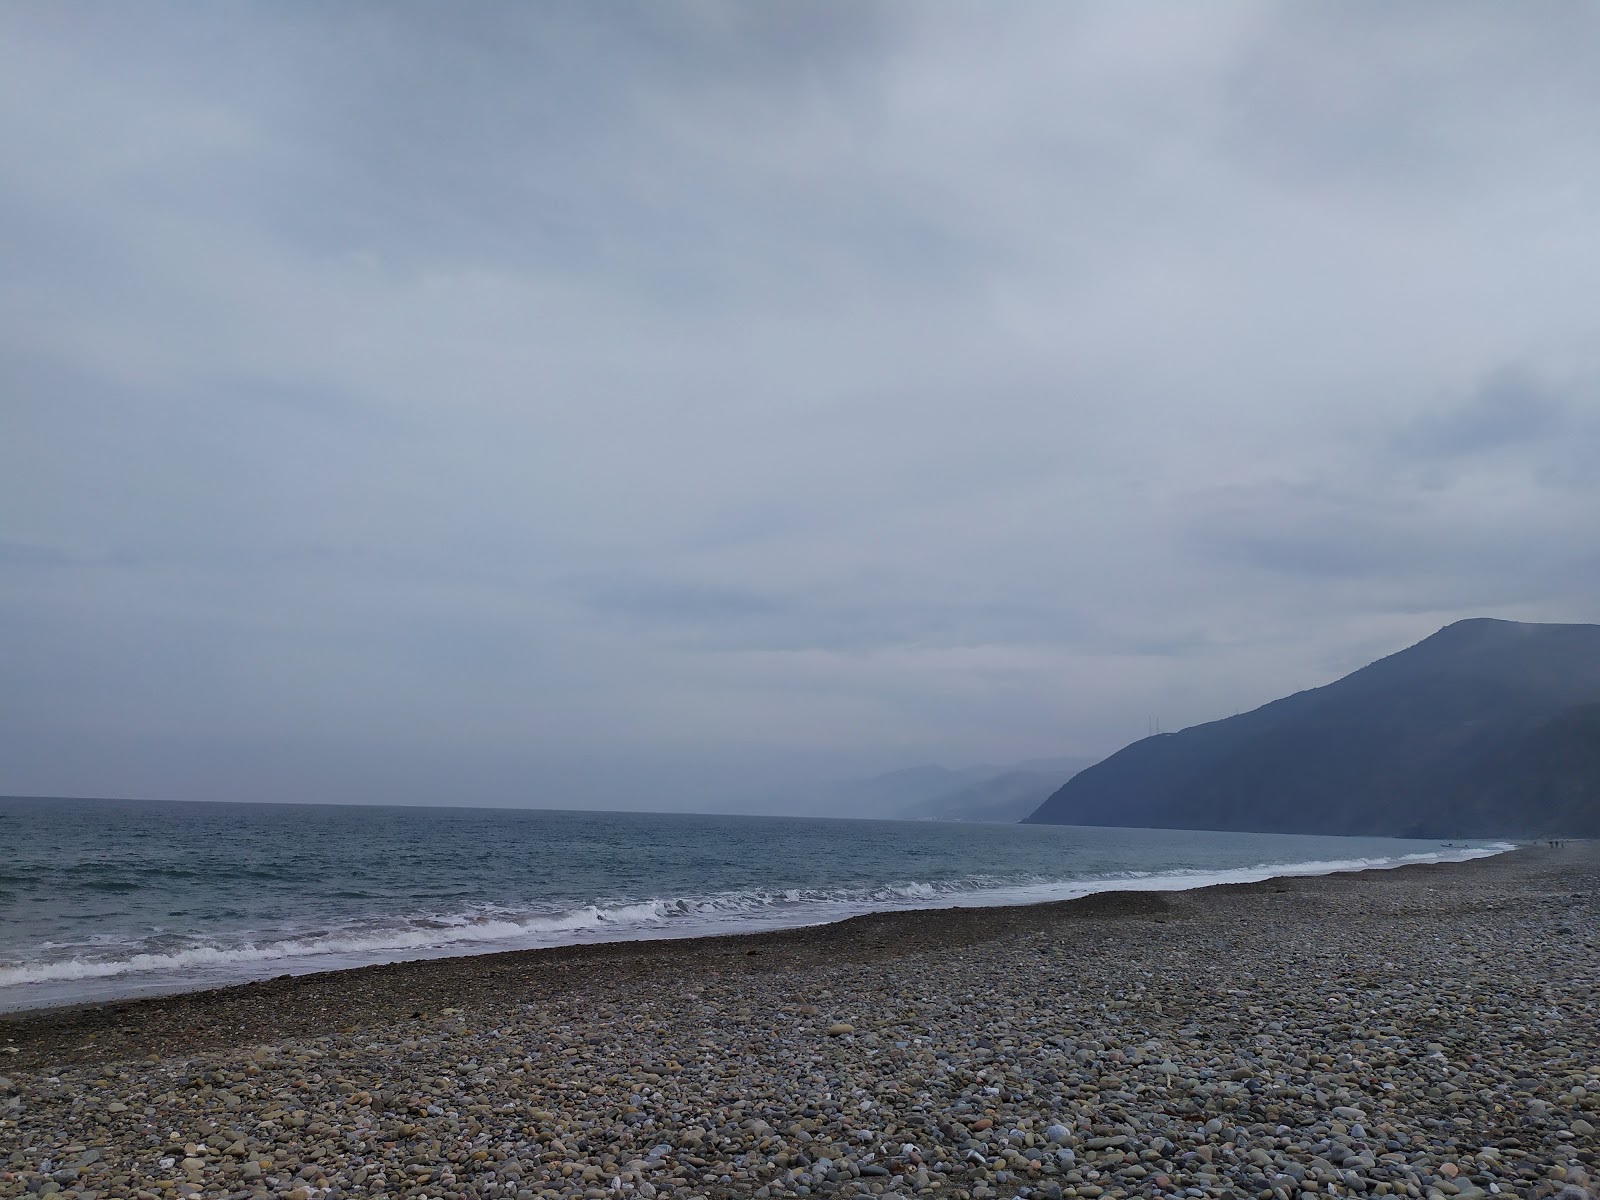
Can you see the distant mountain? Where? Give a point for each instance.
(883, 796)
(984, 792)
(1486, 729)
(1009, 796)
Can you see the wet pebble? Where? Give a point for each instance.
(1421, 1035)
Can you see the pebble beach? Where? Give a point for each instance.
(1429, 1031)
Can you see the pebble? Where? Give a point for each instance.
(1421, 1033)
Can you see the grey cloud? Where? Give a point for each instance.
(1382, 100)
(676, 603)
(1306, 529)
(1426, 542)
(593, 391)
(831, 620)
(1510, 407)
(19, 554)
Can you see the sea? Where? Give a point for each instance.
(103, 899)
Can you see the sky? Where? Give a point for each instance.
(649, 405)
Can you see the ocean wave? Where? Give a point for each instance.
(496, 927)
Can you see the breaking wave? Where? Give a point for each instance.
(200, 961)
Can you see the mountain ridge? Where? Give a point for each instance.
(930, 792)
(1481, 729)
(1006, 797)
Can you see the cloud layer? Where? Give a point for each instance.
(594, 404)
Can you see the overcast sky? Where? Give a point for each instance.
(631, 404)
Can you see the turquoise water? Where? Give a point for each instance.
(114, 898)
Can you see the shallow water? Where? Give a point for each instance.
(114, 898)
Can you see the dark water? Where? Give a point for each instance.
(103, 898)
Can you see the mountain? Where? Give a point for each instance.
(983, 792)
(1009, 796)
(1485, 729)
(882, 797)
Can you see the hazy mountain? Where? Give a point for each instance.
(983, 792)
(1487, 728)
(1009, 796)
(881, 796)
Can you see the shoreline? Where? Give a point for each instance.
(144, 984)
(461, 975)
(1431, 1031)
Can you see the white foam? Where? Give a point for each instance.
(452, 930)
(28, 983)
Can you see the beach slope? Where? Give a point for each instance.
(1431, 1031)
